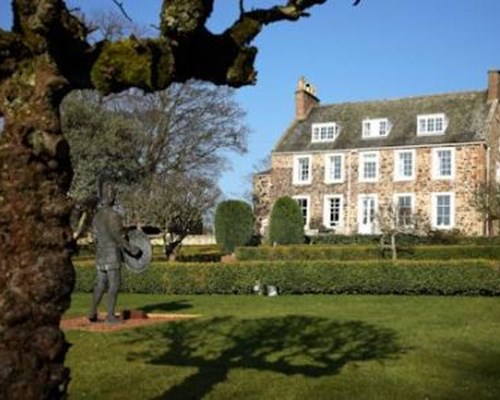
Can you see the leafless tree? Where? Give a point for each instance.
(178, 205)
(160, 147)
(184, 128)
(487, 202)
(393, 220)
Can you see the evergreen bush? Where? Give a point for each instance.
(287, 222)
(233, 224)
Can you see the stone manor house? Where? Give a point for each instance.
(423, 155)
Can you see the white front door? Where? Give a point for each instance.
(367, 209)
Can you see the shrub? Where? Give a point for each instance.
(233, 224)
(465, 277)
(202, 253)
(287, 222)
(356, 252)
(438, 236)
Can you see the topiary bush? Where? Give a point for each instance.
(287, 222)
(233, 224)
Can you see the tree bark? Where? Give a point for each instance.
(36, 274)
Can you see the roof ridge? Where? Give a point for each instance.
(394, 99)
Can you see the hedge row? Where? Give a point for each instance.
(196, 253)
(467, 277)
(433, 238)
(201, 253)
(357, 252)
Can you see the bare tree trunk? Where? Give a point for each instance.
(172, 245)
(394, 249)
(36, 273)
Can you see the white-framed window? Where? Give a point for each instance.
(324, 132)
(302, 169)
(443, 210)
(369, 165)
(304, 202)
(405, 209)
(332, 211)
(443, 163)
(334, 168)
(404, 165)
(375, 128)
(431, 124)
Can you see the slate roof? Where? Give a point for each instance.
(467, 114)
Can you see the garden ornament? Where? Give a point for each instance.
(110, 242)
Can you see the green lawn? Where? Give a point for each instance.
(294, 347)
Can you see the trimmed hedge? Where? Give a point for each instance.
(356, 252)
(336, 239)
(434, 238)
(466, 277)
(147, 282)
(202, 253)
(194, 253)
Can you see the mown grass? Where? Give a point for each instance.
(294, 347)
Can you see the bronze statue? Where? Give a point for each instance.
(110, 241)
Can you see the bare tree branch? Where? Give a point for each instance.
(250, 23)
(119, 4)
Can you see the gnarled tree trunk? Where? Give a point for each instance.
(36, 275)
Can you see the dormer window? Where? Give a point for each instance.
(324, 132)
(431, 124)
(375, 128)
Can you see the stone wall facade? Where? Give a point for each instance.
(469, 170)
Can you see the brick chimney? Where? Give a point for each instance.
(493, 85)
(305, 99)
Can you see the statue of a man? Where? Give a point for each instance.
(110, 239)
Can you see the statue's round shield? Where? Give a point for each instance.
(140, 263)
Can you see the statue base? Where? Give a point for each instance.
(133, 314)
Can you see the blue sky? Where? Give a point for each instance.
(379, 49)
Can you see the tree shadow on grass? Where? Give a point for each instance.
(309, 346)
(169, 306)
(477, 373)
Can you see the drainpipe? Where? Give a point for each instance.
(348, 202)
(488, 169)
